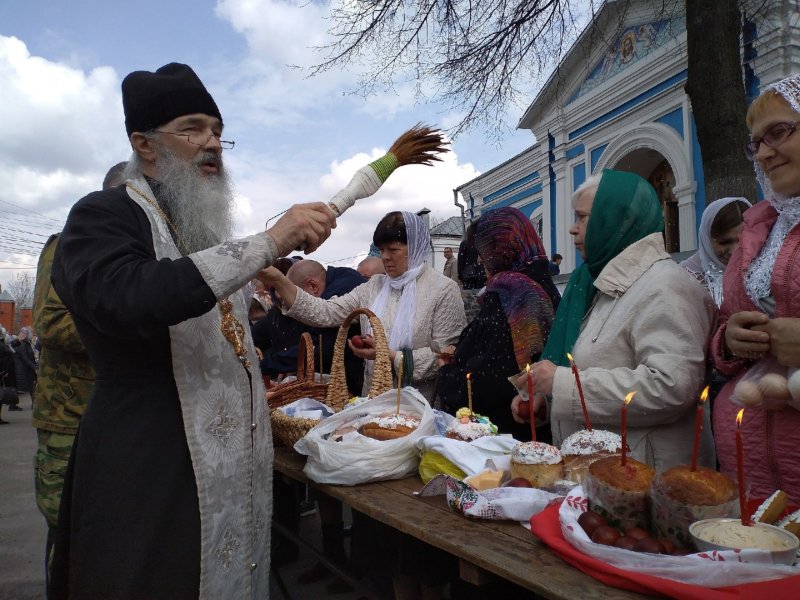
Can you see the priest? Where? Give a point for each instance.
(168, 492)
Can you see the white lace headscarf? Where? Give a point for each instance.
(759, 273)
(419, 242)
(712, 266)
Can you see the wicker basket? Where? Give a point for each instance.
(287, 430)
(304, 386)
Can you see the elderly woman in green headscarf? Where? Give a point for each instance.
(633, 320)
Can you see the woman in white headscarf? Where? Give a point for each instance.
(420, 308)
(718, 237)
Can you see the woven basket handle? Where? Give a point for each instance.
(338, 394)
(305, 358)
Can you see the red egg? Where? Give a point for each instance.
(606, 535)
(637, 533)
(519, 482)
(651, 545)
(358, 341)
(625, 542)
(589, 521)
(669, 546)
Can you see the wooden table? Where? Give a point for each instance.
(503, 548)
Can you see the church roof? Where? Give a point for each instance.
(6, 297)
(451, 227)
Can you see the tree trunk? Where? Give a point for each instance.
(716, 90)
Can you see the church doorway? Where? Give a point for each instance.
(653, 167)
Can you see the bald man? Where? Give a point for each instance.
(278, 336)
(372, 265)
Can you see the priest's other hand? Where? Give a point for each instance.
(303, 226)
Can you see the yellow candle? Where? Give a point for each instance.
(469, 392)
(399, 380)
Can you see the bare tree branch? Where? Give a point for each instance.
(478, 56)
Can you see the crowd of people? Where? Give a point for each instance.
(159, 333)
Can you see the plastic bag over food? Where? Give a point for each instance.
(769, 385)
(360, 459)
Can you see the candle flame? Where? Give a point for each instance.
(569, 356)
(469, 376)
(628, 398)
(739, 416)
(704, 395)
(528, 367)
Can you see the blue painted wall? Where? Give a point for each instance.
(594, 156)
(674, 120)
(511, 186)
(551, 157)
(697, 165)
(578, 177)
(575, 152)
(626, 106)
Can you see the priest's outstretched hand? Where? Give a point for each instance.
(303, 226)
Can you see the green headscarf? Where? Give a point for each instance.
(625, 210)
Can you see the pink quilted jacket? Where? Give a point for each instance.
(771, 438)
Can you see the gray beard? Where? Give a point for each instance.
(200, 206)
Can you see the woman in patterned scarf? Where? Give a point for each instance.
(510, 330)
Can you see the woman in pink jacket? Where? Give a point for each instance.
(760, 314)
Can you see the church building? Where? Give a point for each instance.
(617, 101)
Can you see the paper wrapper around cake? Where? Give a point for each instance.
(619, 493)
(679, 497)
(541, 476)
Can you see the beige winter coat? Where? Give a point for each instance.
(647, 331)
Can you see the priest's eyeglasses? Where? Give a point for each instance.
(201, 139)
(773, 137)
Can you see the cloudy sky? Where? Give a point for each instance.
(297, 139)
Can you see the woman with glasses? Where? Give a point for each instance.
(760, 314)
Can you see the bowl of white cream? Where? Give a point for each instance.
(730, 534)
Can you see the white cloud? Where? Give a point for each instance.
(60, 130)
(55, 116)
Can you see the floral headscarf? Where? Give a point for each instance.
(514, 255)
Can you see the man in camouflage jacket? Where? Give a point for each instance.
(66, 381)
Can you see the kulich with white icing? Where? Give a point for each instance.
(586, 442)
(393, 421)
(470, 426)
(535, 453)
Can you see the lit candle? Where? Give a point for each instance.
(580, 392)
(740, 470)
(469, 392)
(399, 381)
(698, 427)
(624, 425)
(530, 402)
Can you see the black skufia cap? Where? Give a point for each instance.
(152, 99)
